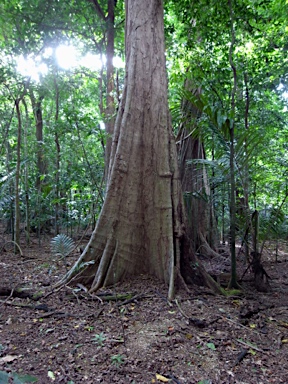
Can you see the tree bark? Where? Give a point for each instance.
(194, 179)
(141, 225)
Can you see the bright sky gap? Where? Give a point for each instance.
(67, 57)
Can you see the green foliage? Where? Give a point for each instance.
(16, 378)
(117, 360)
(211, 346)
(74, 103)
(205, 381)
(62, 245)
(99, 339)
(200, 56)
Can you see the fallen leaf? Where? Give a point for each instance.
(188, 336)
(283, 324)
(162, 378)
(49, 330)
(211, 346)
(51, 375)
(8, 359)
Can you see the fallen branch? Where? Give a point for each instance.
(247, 344)
(139, 296)
(19, 292)
(196, 322)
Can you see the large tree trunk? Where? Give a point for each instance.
(141, 225)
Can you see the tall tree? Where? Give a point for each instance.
(109, 21)
(141, 228)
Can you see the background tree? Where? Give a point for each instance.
(203, 44)
(194, 178)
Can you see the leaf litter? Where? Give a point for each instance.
(131, 334)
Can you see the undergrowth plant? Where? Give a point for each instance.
(15, 378)
(62, 245)
(117, 360)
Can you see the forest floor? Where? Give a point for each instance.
(68, 336)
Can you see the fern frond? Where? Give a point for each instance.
(62, 245)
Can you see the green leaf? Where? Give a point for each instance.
(4, 377)
(21, 379)
(51, 375)
(211, 346)
(17, 379)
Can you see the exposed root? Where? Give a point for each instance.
(208, 250)
(104, 271)
(16, 245)
(183, 283)
(211, 283)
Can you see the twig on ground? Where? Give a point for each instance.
(138, 296)
(9, 297)
(196, 322)
(181, 311)
(250, 346)
(164, 298)
(241, 325)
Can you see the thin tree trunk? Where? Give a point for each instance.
(109, 19)
(17, 176)
(41, 163)
(233, 282)
(58, 157)
(246, 172)
(26, 183)
(110, 104)
(10, 224)
(5, 143)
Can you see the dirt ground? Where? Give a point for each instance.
(132, 334)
